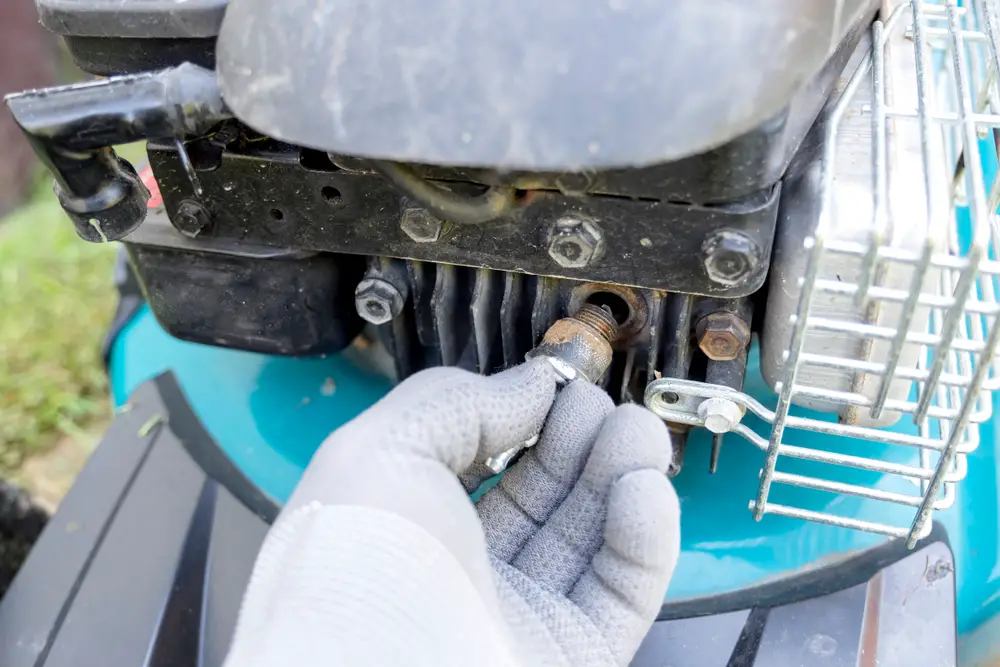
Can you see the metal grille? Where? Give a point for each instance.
(926, 89)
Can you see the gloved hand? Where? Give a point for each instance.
(379, 558)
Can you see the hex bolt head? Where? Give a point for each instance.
(720, 415)
(420, 225)
(377, 300)
(730, 257)
(722, 336)
(191, 218)
(574, 242)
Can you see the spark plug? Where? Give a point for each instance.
(579, 346)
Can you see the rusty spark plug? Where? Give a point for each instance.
(579, 346)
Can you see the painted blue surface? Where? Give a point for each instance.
(270, 413)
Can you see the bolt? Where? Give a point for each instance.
(730, 257)
(420, 225)
(378, 300)
(191, 219)
(722, 336)
(574, 242)
(719, 415)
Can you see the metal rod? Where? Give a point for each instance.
(872, 331)
(977, 209)
(813, 245)
(876, 368)
(919, 275)
(188, 167)
(859, 462)
(939, 301)
(991, 84)
(879, 168)
(862, 401)
(903, 256)
(950, 450)
(834, 520)
(713, 461)
(849, 489)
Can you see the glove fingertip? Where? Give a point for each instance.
(643, 520)
(646, 431)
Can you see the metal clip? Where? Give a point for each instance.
(497, 464)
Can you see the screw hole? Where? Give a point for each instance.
(277, 214)
(614, 304)
(670, 397)
(331, 194)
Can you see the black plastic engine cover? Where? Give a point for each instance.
(112, 37)
(560, 85)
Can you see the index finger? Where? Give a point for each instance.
(457, 417)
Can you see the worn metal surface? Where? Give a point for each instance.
(651, 244)
(485, 320)
(722, 336)
(582, 341)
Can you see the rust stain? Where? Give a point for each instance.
(868, 649)
(633, 298)
(566, 330)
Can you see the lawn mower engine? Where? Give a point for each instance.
(743, 194)
(460, 226)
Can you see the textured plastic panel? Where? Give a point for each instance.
(558, 85)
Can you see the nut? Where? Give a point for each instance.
(730, 257)
(378, 301)
(420, 225)
(191, 219)
(722, 336)
(574, 242)
(720, 415)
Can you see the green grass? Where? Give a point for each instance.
(56, 299)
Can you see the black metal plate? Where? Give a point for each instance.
(272, 200)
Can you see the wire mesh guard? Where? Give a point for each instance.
(919, 317)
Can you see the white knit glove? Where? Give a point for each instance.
(380, 558)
